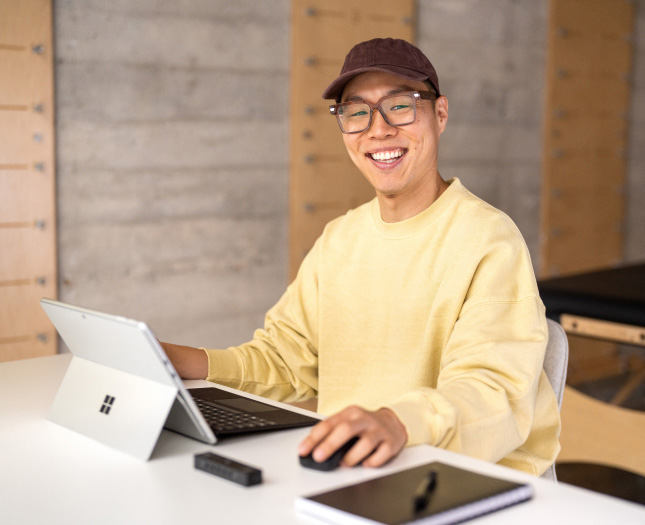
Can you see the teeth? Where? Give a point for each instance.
(387, 155)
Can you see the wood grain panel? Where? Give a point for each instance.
(16, 306)
(571, 207)
(20, 239)
(572, 171)
(585, 246)
(585, 134)
(29, 202)
(323, 181)
(27, 179)
(607, 19)
(28, 346)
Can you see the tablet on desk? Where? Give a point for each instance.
(121, 389)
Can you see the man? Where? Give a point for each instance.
(415, 318)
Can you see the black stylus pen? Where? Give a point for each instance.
(424, 491)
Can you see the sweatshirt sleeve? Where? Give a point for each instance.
(281, 361)
(484, 400)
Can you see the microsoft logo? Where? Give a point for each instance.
(107, 405)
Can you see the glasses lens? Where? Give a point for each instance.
(399, 110)
(353, 117)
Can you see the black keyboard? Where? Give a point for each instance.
(225, 420)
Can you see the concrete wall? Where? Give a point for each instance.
(172, 161)
(490, 57)
(172, 147)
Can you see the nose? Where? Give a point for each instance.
(379, 127)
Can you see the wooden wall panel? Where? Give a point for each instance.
(324, 183)
(585, 134)
(27, 179)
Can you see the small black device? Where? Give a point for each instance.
(228, 469)
(332, 461)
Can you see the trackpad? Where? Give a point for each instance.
(222, 397)
(247, 405)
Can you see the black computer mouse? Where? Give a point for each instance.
(332, 461)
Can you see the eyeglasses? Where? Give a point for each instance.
(397, 110)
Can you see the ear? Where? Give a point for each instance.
(441, 112)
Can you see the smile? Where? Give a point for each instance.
(387, 156)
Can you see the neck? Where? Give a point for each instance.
(399, 207)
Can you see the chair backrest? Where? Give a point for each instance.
(556, 358)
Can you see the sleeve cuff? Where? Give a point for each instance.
(225, 367)
(424, 425)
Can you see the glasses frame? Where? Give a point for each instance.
(417, 95)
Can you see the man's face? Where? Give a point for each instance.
(398, 161)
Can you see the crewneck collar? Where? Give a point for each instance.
(416, 224)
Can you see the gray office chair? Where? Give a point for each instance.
(555, 367)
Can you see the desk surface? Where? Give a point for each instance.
(614, 294)
(49, 474)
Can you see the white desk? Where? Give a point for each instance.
(48, 474)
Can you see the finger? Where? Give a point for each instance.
(381, 455)
(317, 433)
(366, 425)
(382, 439)
(332, 433)
(361, 450)
(373, 438)
(336, 438)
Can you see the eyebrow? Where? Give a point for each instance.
(358, 98)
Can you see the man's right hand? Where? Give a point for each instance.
(189, 362)
(382, 436)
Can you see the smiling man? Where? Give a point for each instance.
(398, 158)
(415, 318)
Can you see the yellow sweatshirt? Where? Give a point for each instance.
(437, 317)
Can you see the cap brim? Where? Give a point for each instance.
(335, 89)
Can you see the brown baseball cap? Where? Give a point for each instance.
(390, 55)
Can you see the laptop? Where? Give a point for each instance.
(121, 389)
